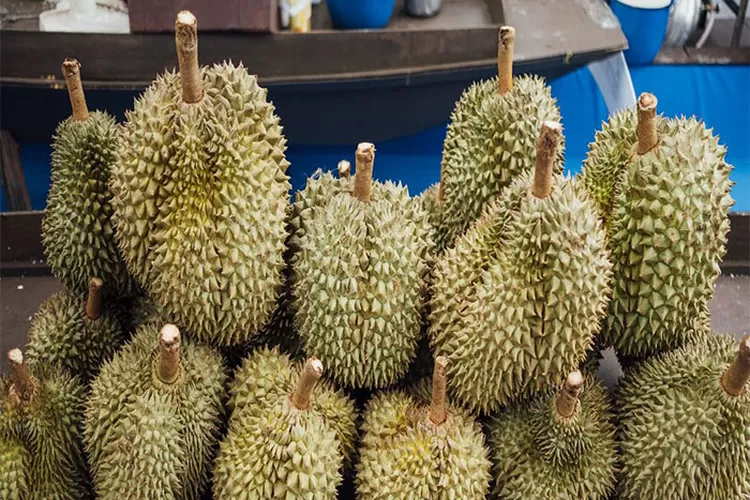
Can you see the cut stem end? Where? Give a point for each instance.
(95, 301)
(24, 384)
(567, 400)
(169, 354)
(736, 376)
(363, 177)
(311, 373)
(646, 128)
(506, 38)
(71, 70)
(345, 169)
(438, 411)
(186, 39)
(546, 153)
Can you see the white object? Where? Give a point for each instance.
(288, 10)
(646, 4)
(86, 16)
(613, 79)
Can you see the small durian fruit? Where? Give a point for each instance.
(284, 441)
(201, 196)
(662, 189)
(517, 302)
(41, 424)
(683, 423)
(77, 231)
(153, 417)
(491, 139)
(557, 445)
(412, 450)
(359, 278)
(75, 334)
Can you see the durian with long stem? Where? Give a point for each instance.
(153, 417)
(683, 422)
(77, 230)
(75, 334)
(201, 196)
(41, 425)
(560, 444)
(517, 302)
(421, 451)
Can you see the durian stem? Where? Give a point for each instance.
(506, 38)
(345, 169)
(567, 400)
(95, 301)
(646, 129)
(311, 373)
(71, 70)
(169, 354)
(363, 177)
(24, 384)
(440, 193)
(438, 412)
(186, 38)
(546, 152)
(735, 378)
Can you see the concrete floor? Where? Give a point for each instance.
(20, 298)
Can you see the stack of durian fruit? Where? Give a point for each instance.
(215, 340)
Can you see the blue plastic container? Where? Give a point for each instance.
(360, 14)
(644, 23)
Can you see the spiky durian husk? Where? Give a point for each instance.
(404, 455)
(77, 230)
(519, 298)
(120, 392)
(200, 197)
(359, 278)
(433, 207)
(666, 219)
(62, 335)
(538, 454)
(274, 449)
(144, 310)
(40, 441)
(681, 436)
(490, 140)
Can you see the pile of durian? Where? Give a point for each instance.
(216, 340)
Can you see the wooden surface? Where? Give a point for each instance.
(246, 15)
(11, 174)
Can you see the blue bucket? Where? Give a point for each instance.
(644, 23)
(360, 14)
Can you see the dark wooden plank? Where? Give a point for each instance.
(737, 258)
(705, 55)
(246, 15)
(11, 174)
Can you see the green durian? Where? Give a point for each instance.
(77, 231)
(144, 310)
(201, 195)
(517, 302)
(359, 276)
(76, 333)
(684, 420)
(558, 445)
(153, 417)
(284, 441)
(412, 450)
(491, 139)
(41, 424)
(662, 189)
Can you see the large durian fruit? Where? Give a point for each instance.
(557, 445)
(284, 440)
(491, 140)
(359, 277)
(153, 417)
(77, 230)
(517, 302)
(412, 450)
(201, 194)
(662, 189)
(684, 418)
(41, 425)
(75, 334)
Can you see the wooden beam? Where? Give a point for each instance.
(11, 174)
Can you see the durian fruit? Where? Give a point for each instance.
(683, 423)
(412, 450)
(557, 445)
(41, 424)
(662, 188)
(517, 302)
(359, 277)
(201, 194)
(75, 334)
(284, 440)
(153, 417)
(491, 139)
(77, 230)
